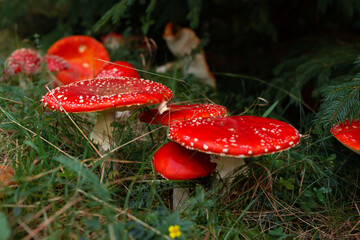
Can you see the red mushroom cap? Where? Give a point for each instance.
(55, 63)
(118, 69)
(348, 134)
(104, 93)
(178, 113)
(174, 162)
(23, 60)
(237, 136)
(82, 53)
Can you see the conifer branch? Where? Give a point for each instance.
(340, 102)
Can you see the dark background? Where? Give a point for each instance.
(265, 39)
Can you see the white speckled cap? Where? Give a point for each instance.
(236, 136)
(104, 93)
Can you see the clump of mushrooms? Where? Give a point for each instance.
(28, 61)
(172, 151)
(105, 96)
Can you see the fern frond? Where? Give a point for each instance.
(340, 102)
(114, 13)
(316, 70)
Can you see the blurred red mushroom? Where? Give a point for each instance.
(23, 60)
(113, 40)
(55, 63)
(82, 53)
(348, 134)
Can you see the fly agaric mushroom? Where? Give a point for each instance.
(118, 69)
(23, 60)
(348, 134)
(234, 138)
(105, 96)
(82, 53)
(55, 63)
(174, 162)
(177, 113)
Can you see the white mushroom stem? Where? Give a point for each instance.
(162, 107)
(226, 166)
(124, 114)
(24, 82)
(180, 195)
(102, 131)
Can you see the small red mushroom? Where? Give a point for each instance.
(234, 138)
(174, 162)
(105, 96)
(177, 113)
(55, 63)
(118, 69)
(348, 134)
(23, 60)
(82, 53)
